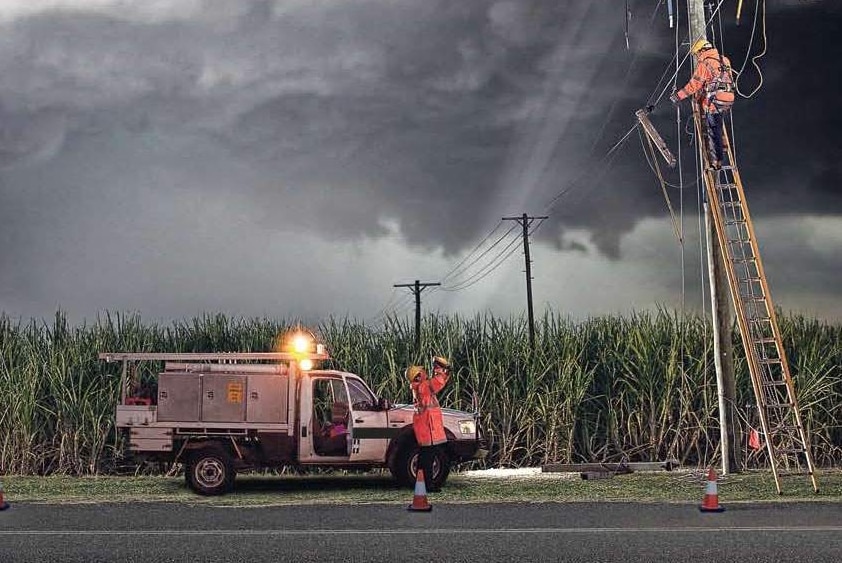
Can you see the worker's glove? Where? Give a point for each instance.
(674, 98)
(650, 109)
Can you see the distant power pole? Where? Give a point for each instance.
(525, 221)
(416, 289)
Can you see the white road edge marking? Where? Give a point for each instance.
(419, 531)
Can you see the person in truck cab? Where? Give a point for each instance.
(427, 422)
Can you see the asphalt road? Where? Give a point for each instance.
(455, 532)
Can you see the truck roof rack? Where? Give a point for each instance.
(208, 357)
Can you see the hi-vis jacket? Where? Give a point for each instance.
(713, 81)
(427, 421)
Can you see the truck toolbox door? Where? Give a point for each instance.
(370, 432)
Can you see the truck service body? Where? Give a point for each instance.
(220, 413)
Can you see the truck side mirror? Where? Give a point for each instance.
(383, 404)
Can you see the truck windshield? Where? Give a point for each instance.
(361, 397)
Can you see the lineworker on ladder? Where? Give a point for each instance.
(427, 421)
(713, 85)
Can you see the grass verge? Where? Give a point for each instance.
(261, 490)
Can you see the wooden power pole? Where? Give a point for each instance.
(723, 347)
(416, 289)
(525, 221)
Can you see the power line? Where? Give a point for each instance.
(489, 267)
(607, 158)
(453, 272)
(400, 306)
(683, 60)
(755, 58)
(386, 305)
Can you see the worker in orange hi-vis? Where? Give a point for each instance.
(427, 421)
(713, 86)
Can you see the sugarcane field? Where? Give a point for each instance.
(369, 280)
(613, 389)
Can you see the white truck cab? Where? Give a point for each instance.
(220, 413)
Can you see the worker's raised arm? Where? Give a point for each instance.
(439, 380)
(441, 373)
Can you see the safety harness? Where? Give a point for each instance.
(719, 90)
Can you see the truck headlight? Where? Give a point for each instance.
(467, 427)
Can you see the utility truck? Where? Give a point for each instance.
(220, 413)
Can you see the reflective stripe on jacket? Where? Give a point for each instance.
(713, 83)
(427, 421)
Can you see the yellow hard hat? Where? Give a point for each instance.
(700, 45)
(412, 371)
(441, 361)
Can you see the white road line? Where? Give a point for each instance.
(419, 531)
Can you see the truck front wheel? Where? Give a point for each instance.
(405, 466)
(210, 471)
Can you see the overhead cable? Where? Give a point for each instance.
(755, 58)
(486, 269)
(678, 66)
(490, 267)
(455, 272)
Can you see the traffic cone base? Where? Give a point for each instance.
(419, 499)
(710, 503)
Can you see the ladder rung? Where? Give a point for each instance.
(731, 203)
(777, 405)
(769, 361)
(773, 383)
(744, 260)
(722, 186)
(757, 298)
(737, 222)
(764, 341)
(795, 473)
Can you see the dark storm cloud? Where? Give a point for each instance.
(404, 111)
(350, 119)
(787, 134)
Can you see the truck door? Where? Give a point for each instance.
(370, 432)
(325, 429)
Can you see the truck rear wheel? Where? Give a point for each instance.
(210, 471)
(405, 466)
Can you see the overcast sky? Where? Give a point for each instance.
(298, 158)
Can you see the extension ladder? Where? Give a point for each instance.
(787, 443)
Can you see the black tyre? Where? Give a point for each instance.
(405, 466)
(210, 471)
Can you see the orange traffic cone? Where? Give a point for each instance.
(3, 504)
(419, 499)
(711, 501)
